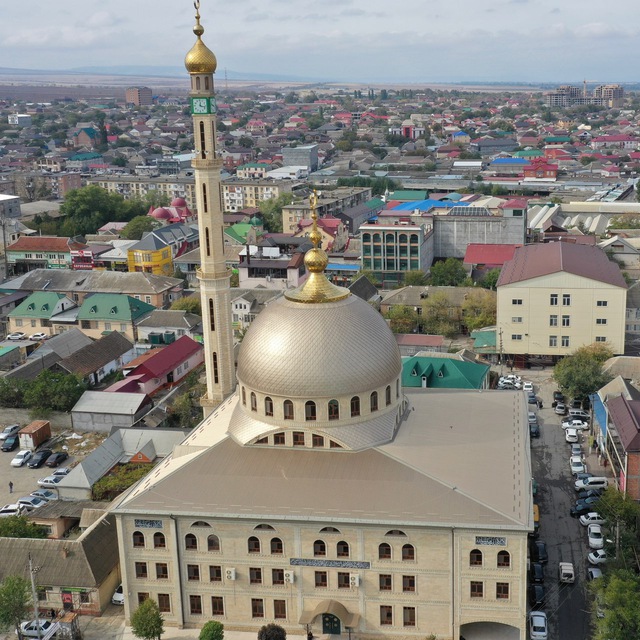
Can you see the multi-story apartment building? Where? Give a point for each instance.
(139, 96)
(303, 156)
(253, 170)
(155, 252)
(138, 186)
(239, 194)
(558, 296)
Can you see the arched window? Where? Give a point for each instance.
(190, 542)
(334, 410)
(373, 401)
(329, 530)
(214, 359)
(254, 402)
(206, 83)
(277, 546)
(244, 397)
(212, 315)
(384, 551)
(197, 82)
(395, 532)
(388, 395)
(342, 549)
(309, 410)
(263, 527)
(253, 545)
(200, 523)
(288, 410)
(203, 155)
(159, 541)
(475, 558)
(204, 194)
(355, 406)
(319, 548)
(504, 559)
(207, 241)
(268, 406)
(408, 552)
(138, 539)
(213, 543)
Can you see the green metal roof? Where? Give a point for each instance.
(238, 231)
(40, 304)
(374, 203)
(484, 341)
(113, 306)
(528, 153)
(443, 373)
(409, 195)
(255, 165)
(557, 139)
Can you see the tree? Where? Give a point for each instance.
(137, 227)
(402, 318)
(212, 630)
(448, 273)
(15, 601)
(580, 374)
(20, 527)
(415, 278)
(54, 391)
(619, 600)
(188, 303)
(272, 211)
(490, 279)
(147, 622)
(479, 309)
(438, 315)
(272, 632)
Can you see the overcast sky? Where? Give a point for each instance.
(355, 40)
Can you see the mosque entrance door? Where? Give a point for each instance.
(330, 624)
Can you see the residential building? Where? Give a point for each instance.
(253, 170)
(129, 187)
(302, 156)
(104, 411)
(238, 194)
(412, 343)
(164, 326)
(155, 252)
(19, 119)
(35, 314)
(246, 304)
(138, 96)
(41, 252)
(556, 297)
(444, 371)
(9, 207)
(271, 267)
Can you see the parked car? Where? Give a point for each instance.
(9, 431)
(533, 418)
(558, 396)
(536, 595)
(560, 409)
(571, 435)
(566, 574)
(576, 449)
(593, 573)
(62, 471)
(38, 337)
(527, 386)
(577, 465)
(32, 502)
(50, 481)
(30, 629)
(592, 482)
(11, 443)
(580, 414)
(575, 423)
(45, 494)
(595, 537)
(12, 510)
(599, 556)
(583, 476)
(539, 552)
(532, 399)
(538, 629)
(21, 458)
(39, 458)
(17, 335)
(536, 572)
(591, 518)
(118, 596)
(57, 458)
(534, 430)
(583, 506)
(589, 493)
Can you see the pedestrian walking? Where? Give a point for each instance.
(10, 486)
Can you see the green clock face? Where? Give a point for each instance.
(199, 105)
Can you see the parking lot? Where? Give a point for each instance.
(567, 605)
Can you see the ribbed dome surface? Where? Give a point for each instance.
(200, 59)
(318, 350)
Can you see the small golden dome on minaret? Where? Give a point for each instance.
(200, 58)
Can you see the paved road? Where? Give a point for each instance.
(567, 605)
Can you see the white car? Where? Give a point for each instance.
(21, 458)
(596, 540)
(599, 556)
(38, 337)
(577, 465)
(571, 435)
(45, 494)
(30, 629)
(533, 418)
(32, 502)
(538, 625)
(575, 424)
(118, 596)
(17, 335)
(593, 573)
(12, 510)
(50, 481)
(591, 518)
(527, 386)
(580, 414)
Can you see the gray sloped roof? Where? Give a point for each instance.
(32, 368)
(171, 318)
(64, 344)
(97, 354)
(110, 403)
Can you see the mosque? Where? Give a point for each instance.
(317, 493)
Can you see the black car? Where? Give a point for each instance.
(534, 430)
(10, 443)
(589, 493)
(558, 396)
(56, 459)
(532, 398)
(39, 458)
(536, 573)
(539, 552)
(536, 595)
(583, 506)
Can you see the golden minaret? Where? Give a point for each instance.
(213, 274)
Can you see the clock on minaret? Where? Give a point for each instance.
(200, 106)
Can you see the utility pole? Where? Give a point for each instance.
(32, 572)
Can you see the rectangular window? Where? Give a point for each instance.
(553, 321)
(321, 579)
(602, 303)
(317, 441)
(477, 589)
(195, 605)
(409, 616)
(107, 326)
(566, 321)
(19, 322)
(565, 341)
(280, 609)
(142, 596)
(298, 438)
(164, 603)
(408, 583)
(516, 336)
(553, 299)
(215, 573)
(162, 571)
(516, 301)
(217, 606)
(141, 569)
(277, 576)
(553, 341)
(123, 327)
(502, 590)
(278, 439)
(343, 580)
(255, 575)
(257, 608)
(193, 572)
(386, 614)
(385, 582)
(601, 338)
(566, 299)
(516, 320)
(601, 321)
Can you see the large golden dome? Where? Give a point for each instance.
(200, 58)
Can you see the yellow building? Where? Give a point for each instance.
(554, 298)
(156, 261)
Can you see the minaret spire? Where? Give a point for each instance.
(213, 274)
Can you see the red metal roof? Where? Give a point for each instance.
(419, 340)
(40, 243)
(493, 254)
(162, 361)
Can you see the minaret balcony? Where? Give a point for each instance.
(207, 163)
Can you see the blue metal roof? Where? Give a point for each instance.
(426, 205)
(336, 266)
(510, 161)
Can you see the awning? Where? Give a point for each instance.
(333, 607)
